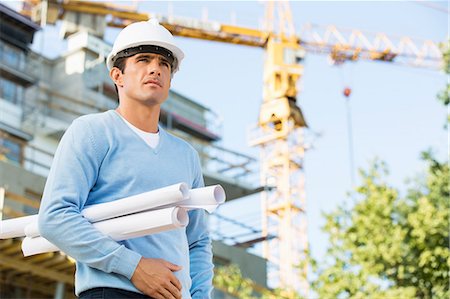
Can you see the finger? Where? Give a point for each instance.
(172, 267)
(174, 280)
(156, 295)
(173, 290)
(166, 294)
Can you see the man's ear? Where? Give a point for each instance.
(117, 76)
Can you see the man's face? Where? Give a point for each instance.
(146, 79)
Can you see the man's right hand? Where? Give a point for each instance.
(154, 278)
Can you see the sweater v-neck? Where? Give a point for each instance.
(160, 130)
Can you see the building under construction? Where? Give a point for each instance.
(39, 98)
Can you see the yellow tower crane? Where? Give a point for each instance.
(281, 125)
(279, 134)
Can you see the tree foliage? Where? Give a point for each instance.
(444, 95)
(385, 246)
(229, 279)
(389, 246)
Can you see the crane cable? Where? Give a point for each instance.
(347, 82)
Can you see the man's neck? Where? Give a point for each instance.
(142, 117)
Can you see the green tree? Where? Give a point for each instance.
(388, 246)
(229, 279)
(444, 95)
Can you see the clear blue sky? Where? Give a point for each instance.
(395, 111)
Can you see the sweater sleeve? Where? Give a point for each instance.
(200, 249)
(72, 175)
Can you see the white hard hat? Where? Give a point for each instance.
(146, 33)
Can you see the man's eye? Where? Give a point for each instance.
(142, 59)
(165, 63)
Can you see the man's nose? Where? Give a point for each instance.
(154, 68)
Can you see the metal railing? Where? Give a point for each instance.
(222, 161)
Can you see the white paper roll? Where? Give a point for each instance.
(32, 246)
(144, 223)
(32, 230)
(13, 228)
(122, 228)
(137, 203)
(207, 198)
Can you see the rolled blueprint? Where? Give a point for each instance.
(32, 246)
(137, 203)
(13, 228)
(160, 198)
(32, 230)
(207, 198)
(144, 223)
(121, 228)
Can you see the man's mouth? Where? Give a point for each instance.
(152, 81)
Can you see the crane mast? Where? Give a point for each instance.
(279, 135)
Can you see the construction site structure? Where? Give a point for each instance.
(281, 128)
(279, 135)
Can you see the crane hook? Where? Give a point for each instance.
(347, 92)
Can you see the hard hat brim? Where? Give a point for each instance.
(177, 52)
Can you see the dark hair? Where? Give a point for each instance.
(120, 64)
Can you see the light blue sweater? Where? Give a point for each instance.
(100, 159)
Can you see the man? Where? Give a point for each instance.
(119, 153)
